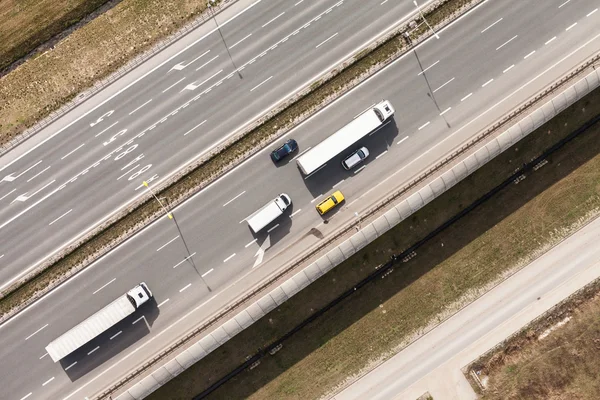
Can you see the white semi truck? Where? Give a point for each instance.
(99, 322)
(269, 212)
(362, 125)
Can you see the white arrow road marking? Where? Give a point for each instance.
(261, 251)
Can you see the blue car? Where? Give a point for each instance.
(286, 149)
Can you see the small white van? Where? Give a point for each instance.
(269, 212)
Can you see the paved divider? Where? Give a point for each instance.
(397, 213)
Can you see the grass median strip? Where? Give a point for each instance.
(494, 240)
(110, 234)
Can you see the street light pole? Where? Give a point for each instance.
(212, 13)
(426, 23)
(172, 216)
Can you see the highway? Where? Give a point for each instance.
(166, 113)
(433, 362)
(477, 70)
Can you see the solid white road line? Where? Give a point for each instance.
(115, 335)
(2, 198)
(34, 165)
(169, 242)
(491, 25)
(508, 69)
(234, 198)
(295, 212)
(467, 96)
(185, 287)
(239, 41)
(382, 154)
(326, 40)
(48, 381)
(403, 139)
(424, 125)
(114, 279)
(262, 83)
(162, 303)
(63, 157)
(207, 272)
(229, 258)
(170, 87)
(426, 69)
(71, 366)
(96, 348)
(193, 86)
(184, 260)
(206, 63)
(39, 173)
(60, 217)
(200, 124)
(273, 228)
(444, 84)
(140, 106)
(36, 332)
(551, 40)
(128, 171)
(106, 129)
(273, 19)
(507, 42)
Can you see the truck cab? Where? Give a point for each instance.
(140, 294)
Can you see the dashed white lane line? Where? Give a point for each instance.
(405, 137)
(488, 82)
(207, 272)
(381, 155)
(115, 335)
(295, 212)
(273, 228)
(39, 173)
(48, 381)
(168, 243)
(60, 217)
(193, 86)
(492, 25)
(592, 12)
(234, 198)
(106, 129)
(508, 69)
(175, 84)
(551, 40)
(571, 27)
(45, 354)
(427, 69)
(36, 332)
(240, 41)
(564, 3)
(200, 124)
(70, 366)
(251, 243)
(229, 258)
(137, 320)
(298, 3)
(105, 285)
(26, 396)
(273, 19)
(339, 183)
(383, 2)
(360, 169)
(529, 55)
(184, 260)
(73, 151)
(507, 42)
(93, 350)
(326, 40)
(11, 178)
(262, 83)
(315, 199)
(185, 287)
(444, 84)
(140, 106)
(206, 63)
(130, 170)
(162, 303)
(2, 198)
(467, 96)
(424, 125)
(2, 256)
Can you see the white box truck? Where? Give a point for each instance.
(99, 322)
(362, 125)
(269, 213)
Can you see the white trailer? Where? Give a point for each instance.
(99, 322)
(269, 212)
(362, 125)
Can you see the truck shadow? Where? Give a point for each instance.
(275, 231)
(111, 343)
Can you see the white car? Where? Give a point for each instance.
(355, 158)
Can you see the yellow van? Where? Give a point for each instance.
(331, 202)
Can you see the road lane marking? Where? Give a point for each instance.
(115, 335)
(550, 41)
(181, 66)
(24, 197)
(26, 396)
(564, 3)
(60, 217)
(193, 86)
(45, 354)
(128, 171)
(298, 3)
(184, 260)
(295, 212)
(97, 347)
(63, 157)
(39, 173)
(234, 198)
(206, 63)
(169, 242)
(337, 184)
(593, 11)
(262, 83)
(137, 320)
(106, 129)
(426, 69)
(71, 366)
(400, 141)
(492, 25)
(48, 381)
(185, 287)
(508, 69)
(315, 199)
(200, 124)
(140, 106)
(488, 82)
(528, 55)
(114, 279)
(2, 198)
(36, 332)
(467, 96)
(307, 149)
(229, 258)
(381, 155)
(11, 178)
(507, 42)
(207, 272)
(570, 27)
(273, 19)
(162, 303)
(270, 229)
(361, 168)
(424, 125)
(444, 84)
(239, 41)
(2, 256)
(326, 40)
(250, 244)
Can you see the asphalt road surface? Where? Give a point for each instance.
(166, 113)
(483, 65)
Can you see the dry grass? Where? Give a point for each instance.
(474, 252)
(563, 365)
